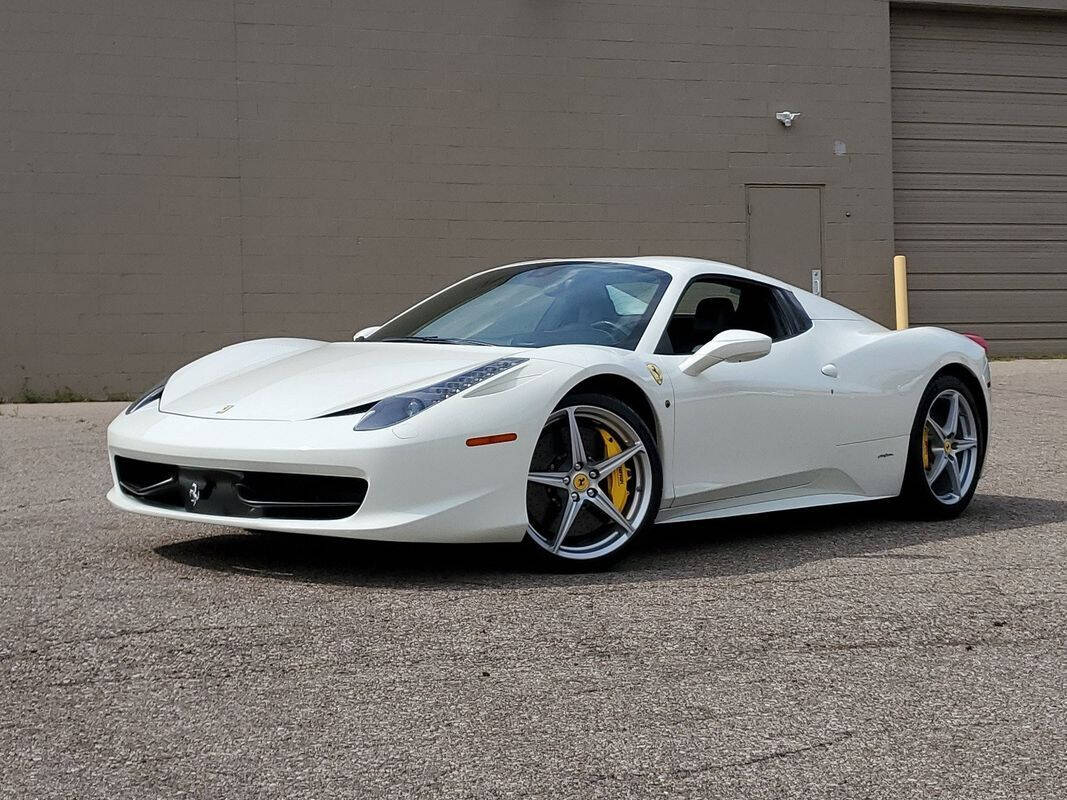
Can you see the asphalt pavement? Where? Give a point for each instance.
(840, 653)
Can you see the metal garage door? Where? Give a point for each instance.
(980, 173)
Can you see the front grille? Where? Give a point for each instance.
(240, 493)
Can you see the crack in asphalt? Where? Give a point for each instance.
(22, 506)
(688, 773)
(930, 643)
(1007, 390)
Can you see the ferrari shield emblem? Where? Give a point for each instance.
(653, 370)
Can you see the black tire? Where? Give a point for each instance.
(652, 484)
(917, 498)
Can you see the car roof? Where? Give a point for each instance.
(683, 267)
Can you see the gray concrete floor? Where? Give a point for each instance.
(839, 653)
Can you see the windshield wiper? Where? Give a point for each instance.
(437, 340)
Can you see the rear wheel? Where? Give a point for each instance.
(594, 482)
(946, 451)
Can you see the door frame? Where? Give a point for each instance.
(822, 224)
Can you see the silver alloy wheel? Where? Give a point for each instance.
(950, 447)
(580, 486)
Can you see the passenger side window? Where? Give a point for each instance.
(630, 299)
(710, 306)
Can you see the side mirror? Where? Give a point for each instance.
(732, 345)
(363, 333)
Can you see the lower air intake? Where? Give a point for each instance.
(240, 493)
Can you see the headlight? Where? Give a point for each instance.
(400, 407)
(151, 396)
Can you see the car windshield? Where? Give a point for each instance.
(538, 305)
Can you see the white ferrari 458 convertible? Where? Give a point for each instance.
(567, 403)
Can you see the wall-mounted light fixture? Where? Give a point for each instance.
(787, 117)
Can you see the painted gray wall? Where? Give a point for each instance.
(184, 175)
(179, 176)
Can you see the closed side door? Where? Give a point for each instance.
(744, 428)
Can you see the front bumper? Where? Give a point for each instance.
(424, 483)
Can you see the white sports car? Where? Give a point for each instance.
(568, 403)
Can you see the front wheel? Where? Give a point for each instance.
(594, 481)
(946, 451)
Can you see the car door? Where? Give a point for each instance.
(758, 427)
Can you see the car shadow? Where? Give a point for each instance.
(763, 543)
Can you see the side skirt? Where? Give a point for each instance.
(741, 506)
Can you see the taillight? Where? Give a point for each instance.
(974, 337)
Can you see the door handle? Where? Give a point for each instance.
(830, 370)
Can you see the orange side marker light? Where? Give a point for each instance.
(496, 438)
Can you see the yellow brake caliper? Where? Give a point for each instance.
(926, 448)
(620, 478)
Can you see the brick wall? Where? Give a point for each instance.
(181, 175)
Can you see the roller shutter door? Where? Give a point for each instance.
(980, 173)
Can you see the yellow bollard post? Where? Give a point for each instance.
(900, 287)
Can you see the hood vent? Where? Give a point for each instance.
(347, 412)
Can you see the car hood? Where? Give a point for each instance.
(300, 379)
